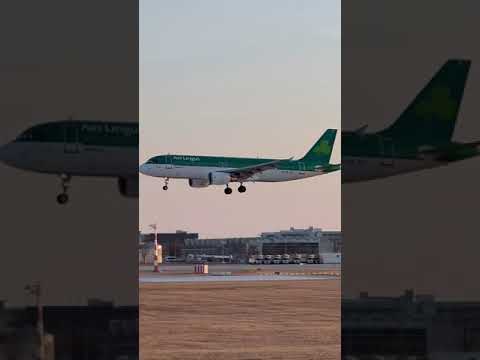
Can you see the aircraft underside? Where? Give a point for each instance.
(356, 169)
(197, 172)
(199, 177)
(66, 161)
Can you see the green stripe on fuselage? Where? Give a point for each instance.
(230, 162)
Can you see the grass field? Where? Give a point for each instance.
(240, 321)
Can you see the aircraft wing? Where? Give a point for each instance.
(248, 171)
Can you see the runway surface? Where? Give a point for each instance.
(217, 278)
(184, 273)
(182, 267)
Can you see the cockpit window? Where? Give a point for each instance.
(156, 160)
(51, 132)
(26, 135)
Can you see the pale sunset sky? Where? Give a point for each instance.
(246, 78)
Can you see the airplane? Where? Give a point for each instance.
(419, 139)
(78, 148)
(203, 171)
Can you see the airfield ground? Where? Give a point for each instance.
(240, 320)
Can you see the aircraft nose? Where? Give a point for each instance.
(143, 169)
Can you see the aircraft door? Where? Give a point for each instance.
(301, 166)
(71, 138)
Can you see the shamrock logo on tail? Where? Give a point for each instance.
(323, 148)
(440, 104)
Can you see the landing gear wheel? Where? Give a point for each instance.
(165, 187)
(62, 198)
(242, 189)
(228, 190)
(65, 183)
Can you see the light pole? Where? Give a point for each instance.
(36, 290)
(155, 259)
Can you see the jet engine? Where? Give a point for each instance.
(198, 183)
(219, 178)
(128, 186)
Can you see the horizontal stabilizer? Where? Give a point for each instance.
(361, 130)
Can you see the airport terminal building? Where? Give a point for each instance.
(300, 241)
(310, 241)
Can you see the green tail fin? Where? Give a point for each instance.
(322, 150)
(430, 118)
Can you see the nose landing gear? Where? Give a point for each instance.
(165, 187)
(62, 198)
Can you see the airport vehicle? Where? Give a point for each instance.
(203, 171)
(196, 259)
(268, 259)
(259, 259)
(298, 259)
(285, 259)
(277, 259)
(170, 259)
(214, 258)
(419, 139)
(312, 259)
(78, 148)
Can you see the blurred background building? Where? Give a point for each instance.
(181, 245)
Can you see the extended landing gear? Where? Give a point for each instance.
(241, 189)
(62, 198)
(165, 187)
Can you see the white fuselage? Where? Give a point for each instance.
(202, 172)
(71, 159)
(357, 169)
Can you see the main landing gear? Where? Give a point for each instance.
(62, 198)
(241, 189)
(165, 187)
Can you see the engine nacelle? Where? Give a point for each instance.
(198, 183)
(128, 186)
(219, 178)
